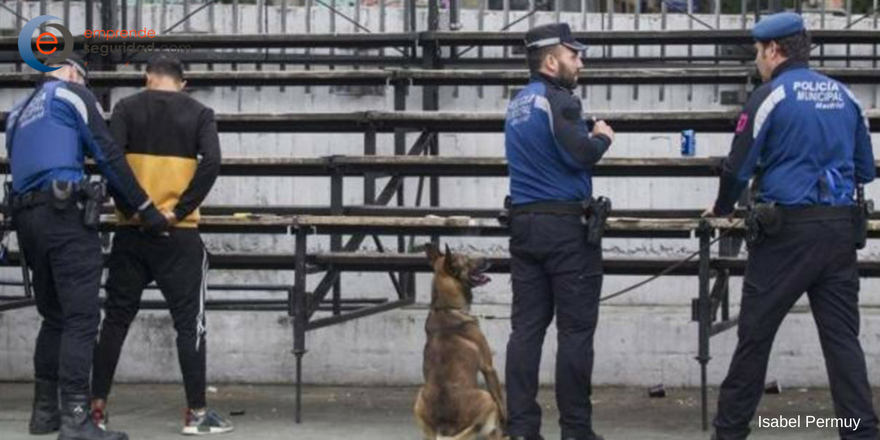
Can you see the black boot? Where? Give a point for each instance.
(77, 423)
(46, 415)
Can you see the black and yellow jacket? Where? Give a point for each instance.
(171, 143)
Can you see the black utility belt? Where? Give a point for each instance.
(815, 213)
(59, 191)
(552, 208)
(61, 195)
(32, 199)
(595, 212)
(766, 220)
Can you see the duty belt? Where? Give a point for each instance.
(555, 208)
(39, 197)
(31, 199)
(815, 213)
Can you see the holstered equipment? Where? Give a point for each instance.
(94, 196)
(597, 212)
(7, 200)
(861, 214)
(504, 214)
(762, 220)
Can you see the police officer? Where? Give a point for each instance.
(47, 137)
(551, 154)
(810, 138)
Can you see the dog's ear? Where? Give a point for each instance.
(432, 252)
(448, 262)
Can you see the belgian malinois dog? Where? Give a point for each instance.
(452, 405)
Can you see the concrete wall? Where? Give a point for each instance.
(643, 338)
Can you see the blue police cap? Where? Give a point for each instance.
(78, 64)
(776, 26)
(551, 35)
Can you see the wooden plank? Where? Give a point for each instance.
(457, 222)
(497, 166)
(446, 166)
(500, 263)
(735, 75)
(622, 224)
(714, 121)
(648, 37)
(242, 41)
(388, 40)
(481, 122)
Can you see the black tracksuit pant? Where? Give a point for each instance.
(179, 265)
(553, 270)
(817, 257)
(66, 261)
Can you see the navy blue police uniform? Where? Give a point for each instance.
(48, 137)
(808, 140)
(551, 155)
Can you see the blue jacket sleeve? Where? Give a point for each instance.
(580, 149)
(863, 155)
(740, 164)
(119, 131)
(100, 146)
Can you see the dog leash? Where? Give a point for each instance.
(669, 269)
(652, 278)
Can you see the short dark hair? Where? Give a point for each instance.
(796, 47)
(535, 58)
(166, 66)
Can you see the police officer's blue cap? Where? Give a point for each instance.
(78, 64)
(550, 35)
(776, 26)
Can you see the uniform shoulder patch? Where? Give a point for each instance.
(742, 123)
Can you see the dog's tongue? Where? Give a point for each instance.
(481, 279)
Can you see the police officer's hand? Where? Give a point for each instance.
(710, 213)
(602, 127)
(152, 221)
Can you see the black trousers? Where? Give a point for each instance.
(819, 258)
(66, 261)
(554, 271)
(179, 265)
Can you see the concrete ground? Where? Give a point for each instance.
(152, 412)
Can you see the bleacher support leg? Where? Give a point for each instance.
(431, 101)
(704, 313)
(300, 315)
(370, 178)
(336, 208)
(400, 92)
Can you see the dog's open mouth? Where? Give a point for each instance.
(478, 276)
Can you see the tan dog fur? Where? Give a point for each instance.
(451, 404)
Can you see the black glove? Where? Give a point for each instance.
(152, 221)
